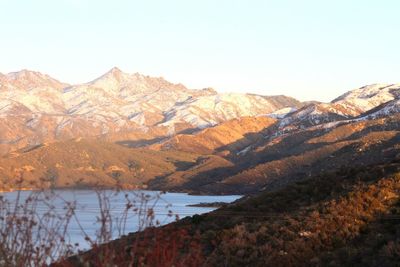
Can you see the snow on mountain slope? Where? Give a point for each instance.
(150, 102)
(368, 97)
(383, 110)
(134, 97)
(27, 80)
(34, 91)
(314, 114)
(348, 106)
(119, 104)
(223, 106)
(123, 84)
(281, 113)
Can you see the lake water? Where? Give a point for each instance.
(166, 207)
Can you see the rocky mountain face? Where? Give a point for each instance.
(35, 108)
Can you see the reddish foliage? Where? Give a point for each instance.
(161, 247)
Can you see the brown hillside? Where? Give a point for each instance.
(295, 156)
(83, 163)
(232, 135)
(203, 164)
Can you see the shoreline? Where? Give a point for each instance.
(17, 189)
(189, 192)
(208, 204)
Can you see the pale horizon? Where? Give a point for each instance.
(177, 82)
(309, 50)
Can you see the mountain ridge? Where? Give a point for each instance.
(115, 105)
(236, 143)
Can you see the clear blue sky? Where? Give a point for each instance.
(307, 49)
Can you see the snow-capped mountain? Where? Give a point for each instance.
(383, 110)
(225, 107)
(368, 97)
(281, 113)
(315, 114)
(116, 105)
(46, 124)
(151, 101)
(30, 91)
(35, 108)
(348, 106)
(28, 80)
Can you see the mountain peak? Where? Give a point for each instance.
(29, 79)
(114, 76)
(25, 73)
(115, 70)
(115, 73)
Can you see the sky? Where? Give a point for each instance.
(309, 49)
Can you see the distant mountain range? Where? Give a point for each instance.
(143, 132)
(35, 108)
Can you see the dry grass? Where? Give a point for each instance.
(31, 236)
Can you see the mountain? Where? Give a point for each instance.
(349, 105)
(273, 161)
(29, 80)
(28, 91)
(151, 102)
(368, 97)
(117, 106)
(299, 143)
(235, 143)
(314, 114)
(386, 109)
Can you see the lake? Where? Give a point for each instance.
(128, 209)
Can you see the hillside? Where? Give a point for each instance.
(250, 163)
(232, 135)
(358, 127)
(274, 161)
(343, 218)
(81, 163)
(347, 217)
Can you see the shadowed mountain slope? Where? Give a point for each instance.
(276, 161)
(232, 135)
